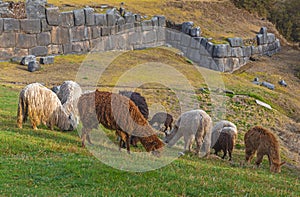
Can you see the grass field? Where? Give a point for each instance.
(52, 163)
(45, 162)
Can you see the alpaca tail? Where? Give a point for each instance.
(22, 111)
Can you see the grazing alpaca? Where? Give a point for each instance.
(218, 128)
(118, 113)
(162, 118)
(194, 124)
(225, 142)
(265, 143)
(69, 93)
(42, 105)
(141, 103)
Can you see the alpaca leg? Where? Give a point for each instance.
(20, 117)
(188, 143)
(225, 153)
(128, 144)
(85, 133)
(259, 159)
(229, 152)
(88, 138)
(249, 154)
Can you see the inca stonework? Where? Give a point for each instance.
(51, 32)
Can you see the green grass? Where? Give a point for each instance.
(52, 163)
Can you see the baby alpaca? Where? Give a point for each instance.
(225, 142)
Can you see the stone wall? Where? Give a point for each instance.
(51, 32)
(222, 57)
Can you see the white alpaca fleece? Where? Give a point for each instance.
(223, 126)
(69, 94)
(42, 105)
(194, 124)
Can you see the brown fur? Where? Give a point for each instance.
(225, 142)
(265, 143)
(41, 105)
(118, 113)
(162, 117)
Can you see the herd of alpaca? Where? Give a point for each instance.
(127, 113)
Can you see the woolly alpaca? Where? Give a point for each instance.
(265, 143)
(141, 103)
(41, 105)
(69, 93)
(138, 100)
(194, 124)
(223, 124)
(225, 142)
(118, 113)
(162, 118)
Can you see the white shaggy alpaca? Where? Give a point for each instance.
(223, 126)
(42, 105)
(194, 124)
(69, 93)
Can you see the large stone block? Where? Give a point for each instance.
(7, 40)
(161, 34)
(55, 49)
(78, 34)
(31, 26)
(195, 42)
(6, 53)
(129, 17)
(39, 51)
(235, 42)
(185, 40)
(149, 37)
(45, 26)
(19, 53)
(80, 47)
(237, 52)
(135, 38)
(28, 58)
(105, 31)
(146, 25)
(53, 16)
(67, 19)
(195, 32)
(246, 51)
(67, 48)
(79, 17)
(121, 21)
(154, 21)
(96, 32)
(161, 21)
(222, 50)
(43, 39)
(210, 48)
(111, 19)
(100, 19)
(263, 30)
(194, 55)
(271, 38)
(60, 35)
(11, 24)
(25, 41)
(1, 25)
(89, 16)
(35, 9)
(187, 26)
(47, 60)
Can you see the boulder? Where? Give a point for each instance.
(29, 58)
(47, 60)
(34, 66)
(187, 26)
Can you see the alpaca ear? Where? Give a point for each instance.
(282, 163)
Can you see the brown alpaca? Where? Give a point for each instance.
(225, 142)
(116, 112)
(265, 143)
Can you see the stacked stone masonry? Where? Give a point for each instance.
(81, 31)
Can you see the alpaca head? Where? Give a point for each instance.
(276, 166)
(171, 134)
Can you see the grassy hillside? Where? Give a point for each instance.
(45, 162)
